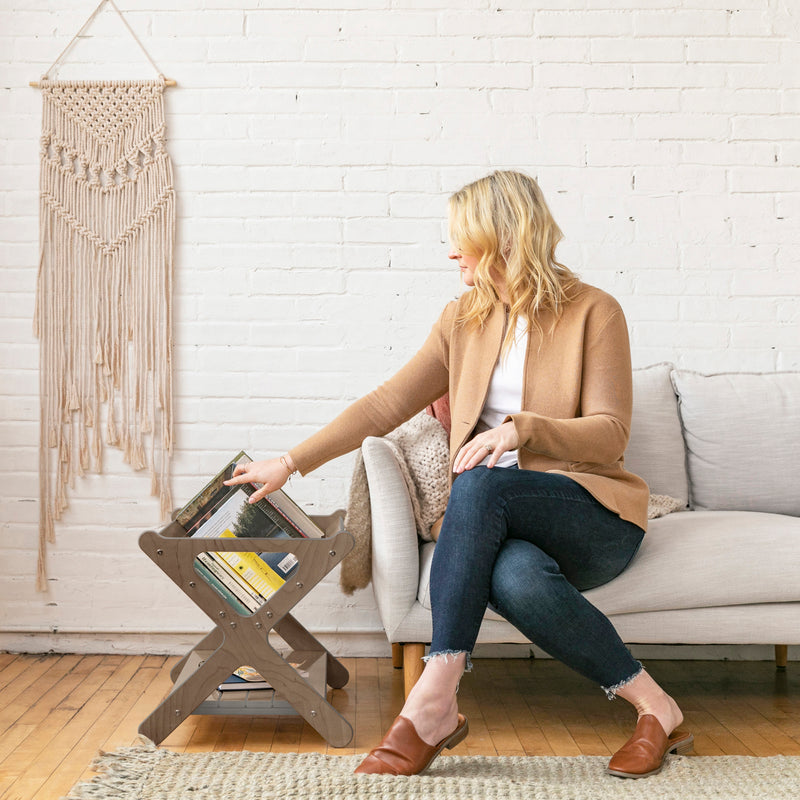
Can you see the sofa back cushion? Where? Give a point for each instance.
(656, 451)
(742, 433)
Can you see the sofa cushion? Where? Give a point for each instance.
(742, 433)
(656, 451)
(697, 559)
(703, 559)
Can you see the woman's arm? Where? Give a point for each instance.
(421, 381)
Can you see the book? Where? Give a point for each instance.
(257, 571)
(220, 588)
(287, 517)
(245, 579)
(244, 679)
(226, 580)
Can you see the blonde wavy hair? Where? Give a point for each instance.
(504, 222)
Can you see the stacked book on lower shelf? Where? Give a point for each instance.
(263, 700)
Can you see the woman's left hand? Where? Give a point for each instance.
(495, 441)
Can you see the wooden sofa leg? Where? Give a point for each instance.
(397, 655)
(781, 655)
(412, 664)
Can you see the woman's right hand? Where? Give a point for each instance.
(271, 473)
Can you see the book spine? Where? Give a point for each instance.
(293, 530)
(223, 573)
(256, 572)
(296, 517)
(245, 588)
(211, 579)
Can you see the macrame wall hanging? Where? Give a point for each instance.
(104, 292)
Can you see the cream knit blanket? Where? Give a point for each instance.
(422, 452)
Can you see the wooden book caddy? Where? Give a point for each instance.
(238, 640)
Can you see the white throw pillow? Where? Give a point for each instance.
(742, 433)
(656, 451)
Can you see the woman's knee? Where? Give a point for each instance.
(473, 506)
(475, 514)
(475, 488)
(521, 575)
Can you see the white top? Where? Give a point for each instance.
(505, 390)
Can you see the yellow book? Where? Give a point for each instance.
(253, 569)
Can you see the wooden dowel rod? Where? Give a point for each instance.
(167, 82)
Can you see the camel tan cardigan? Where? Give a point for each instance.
(576, 400)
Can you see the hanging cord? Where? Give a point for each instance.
(86, 25)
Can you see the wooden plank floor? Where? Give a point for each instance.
(58, 711)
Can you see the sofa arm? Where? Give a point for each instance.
(395, 546)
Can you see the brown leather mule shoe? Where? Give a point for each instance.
(644, 753)
(402, 752)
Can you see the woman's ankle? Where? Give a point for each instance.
(665, 710)
(647, 697)
(433, 720)
(431, 704)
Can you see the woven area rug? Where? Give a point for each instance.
(146, 773)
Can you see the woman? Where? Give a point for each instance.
(537, 365)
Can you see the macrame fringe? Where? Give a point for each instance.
(104, 295)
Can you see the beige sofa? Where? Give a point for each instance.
(724, 571)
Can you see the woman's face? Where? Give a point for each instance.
(466, 264)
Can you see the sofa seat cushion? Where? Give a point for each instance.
(695, 559)
(701, 559)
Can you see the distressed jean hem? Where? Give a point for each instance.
(611, 691)
(452, 653)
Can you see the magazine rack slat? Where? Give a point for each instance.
(237, 640)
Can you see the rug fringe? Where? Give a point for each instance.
(120, 770)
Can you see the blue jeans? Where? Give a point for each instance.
(528, 543)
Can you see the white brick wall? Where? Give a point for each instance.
(315, 144)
